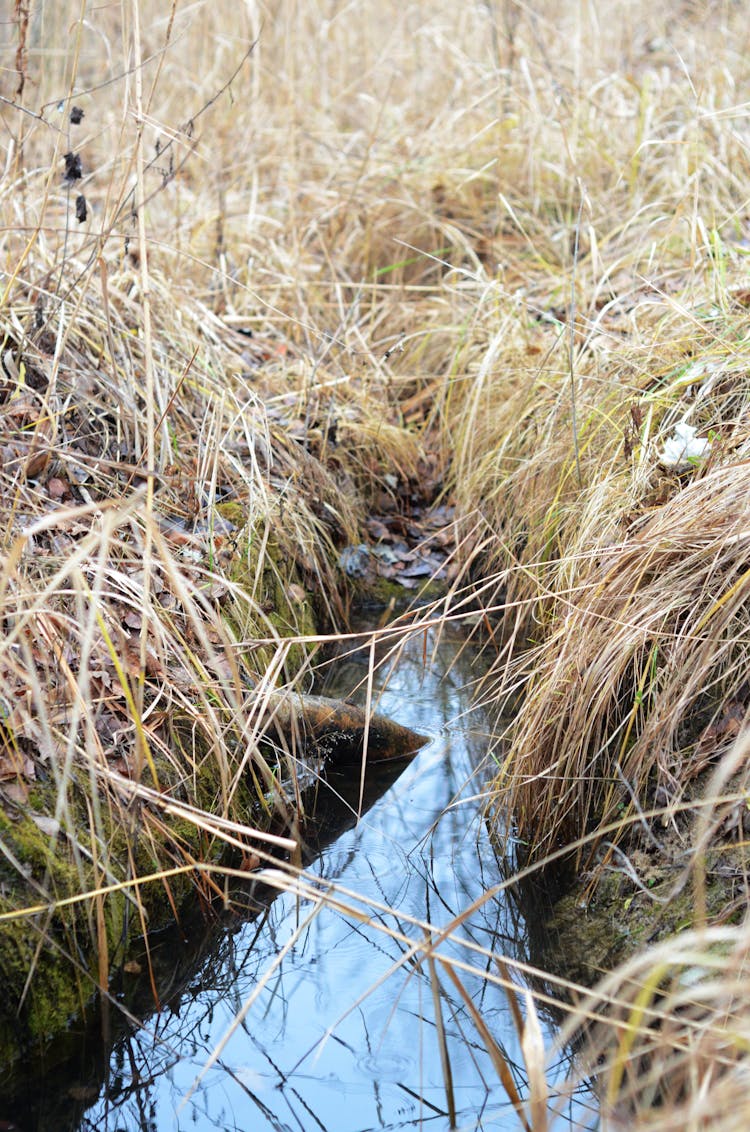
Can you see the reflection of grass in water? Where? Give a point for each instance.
(414, 962)
(447, 959)
(447, 229)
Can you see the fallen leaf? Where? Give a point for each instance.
(17, 792)
(58, 488)
(419, 569)
(37, 461)
(48, 825)
(14, 765)
(378, 529)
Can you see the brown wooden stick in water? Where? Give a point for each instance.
(305, 721)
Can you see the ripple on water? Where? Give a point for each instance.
(385, 1065)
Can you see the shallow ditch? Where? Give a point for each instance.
(338, 1025)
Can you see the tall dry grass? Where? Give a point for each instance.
(195, 406)
(515, 236)
(619, 312)
(666, 1031)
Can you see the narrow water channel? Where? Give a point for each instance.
(338, 1028)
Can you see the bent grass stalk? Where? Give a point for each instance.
(625, 582)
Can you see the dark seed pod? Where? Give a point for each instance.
(73, 170)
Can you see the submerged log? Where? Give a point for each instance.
(335, 729)
(173, 961)
(295, 805)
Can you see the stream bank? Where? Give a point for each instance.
(331, 1000)
(657, 882)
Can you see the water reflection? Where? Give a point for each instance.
(338, 1028)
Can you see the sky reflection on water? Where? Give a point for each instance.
(343, 1034)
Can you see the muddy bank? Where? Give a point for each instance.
(660, 879)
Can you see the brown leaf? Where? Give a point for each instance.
(378, 529)
(37, 461)
(14, 764)
(16, 791)
(715, 738)
(121, 765)
(58, 488)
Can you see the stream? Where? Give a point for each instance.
(325, 1020)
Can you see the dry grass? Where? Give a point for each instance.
(619, 310)
(512, 237)
(641, 652)
(667, 1030)
(194, 410)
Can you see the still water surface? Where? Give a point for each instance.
(341, 1031)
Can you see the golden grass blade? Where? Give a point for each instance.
(442, 1040)
(493, 1048)
(532, 1045)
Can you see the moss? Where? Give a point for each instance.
(55, 993)
(581, 934)
(270, 600)
(56, 990)
(233, 512)
(61, 948)
(383, 592)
